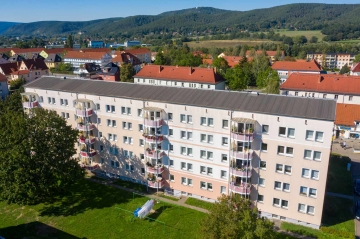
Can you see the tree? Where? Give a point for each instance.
(288, 41)
(300, 40)
(64, 67)
(16, 84)
(221, 64)
(160, 59)
(345, 69)
(69, 42)
(357, 58)
(236, 78)
(127, 72)
(36, 160)
(314, 39)
(233, 217)
(269, 81)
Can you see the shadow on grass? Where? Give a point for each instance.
(35, 230)
(84, 196)
(337, 210)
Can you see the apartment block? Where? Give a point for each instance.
(271, 149)
(332, 59)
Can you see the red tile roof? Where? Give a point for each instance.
(138, 51)
(234, 60)
(35, 64)
(9, 67)
(126, 58)
(21, 72)
(3, 78)
(180, 73)
(346, 114)
(108, 50)
(2, 50)
(296, 66)
(356, 67)
(323, 83)
(85, 55)
(207, 61)
(57, 50)
(28, 50)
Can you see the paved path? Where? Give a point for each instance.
(340, 195)
(181, 202)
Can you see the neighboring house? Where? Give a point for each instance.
(53, 60)
(59, 51)
(36, 56)
(286, 68)
(4, 58)
(355, 69)
(180, 76)
(96, 44)
(15, 58)
(127, 58)
(89, 70)
(26, 52)
(344, 89)
(143, 54)
(110, 72)
(29, 69)
(333, 59)
(272, 149)
(132, 43)
(4, 89)
(79, 58)
(347, 122)
(8, 68)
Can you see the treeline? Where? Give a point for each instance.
(337, 32)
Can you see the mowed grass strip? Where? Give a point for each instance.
(90, 210)
(228, 43)
(199, 203)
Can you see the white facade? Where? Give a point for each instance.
(77, 62)
(284, 74)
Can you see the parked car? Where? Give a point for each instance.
(357, 210)
(357, 186)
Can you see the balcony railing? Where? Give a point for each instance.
(30, 104)
(242, 137)
(242, 155)
(156, 154)
(84, 112)
(240, 189)
(85, 127)
(156, 184)
(153, 138)
(153, 123)
(84, 140)
(241, 172)
(88, 154)
(155, 169)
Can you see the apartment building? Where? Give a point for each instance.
(332, 59)
(271, 149)
(143, 54)
(342, 88)
(79, 58)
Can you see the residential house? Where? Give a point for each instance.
(201, 143)
(4, 58)
(347, 122)
(89, 70)
(53, 60)
(30, 69)
(180, 76)
(4, 90)
(332, 59)
(127, 58)
(143, 54)
(26, 52)
(110, 72)
(59, 51)
(96, 44)
(79, 58)
(355, 69)
(15, 58)
(286, 68)
(8, 68)
(342, 88)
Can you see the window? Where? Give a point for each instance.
(265, 129)
(307, 154)
(113, 109)
(309, 135)
(182, 118)
(276, 202)
(171, 147)
(336, 97)
(305, 173)
(129, 126)
(110, 137)
(202, 154)
(209, 171)
(281, 149)
(53, 101)
(262, 182)
(183, 134)
(101, 148)
(286, 187)
(189, 167)
(112, 163)
(113, 123)
(139, 111)
(125, 140)
(262, 164)
(124, 125)
(260, 198)
(303, 190)
(190, 182)
(108, 122)
(128, 110)
(319, 136)
(312, 192)
(189, 119)
(284, 203)
(223, 174)
(41, 99)
(289, 151)
(203, 137)
(100, 134)
(222, 189)
(291, 133)
(117, 165)
(203, 185)
(282, 131)
(315, 174)
(107, 108)
(171, 132)
(209, 155)
(209, 186)
(171, 163)
(170, 116)
(324, 96)
(183, 150)
(189, 151)
(210, 121)
(123, 110)
(203, 120)
(310, 209)
(202, 169)
(61, 102)
(296, 93)
(141, 127)
(317, 155)
(115, 137)
(98, 107)
(189, 135)
(350, 97)
(183, 180)
(263, 147)
(225, 141)
(183, 166)
(141, 142)
(210, 139)
(225, 124)
(301, 207)
(224, 158)
(277, 185)
(279, 167)
(288, 169)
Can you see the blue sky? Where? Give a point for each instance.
(83, 10)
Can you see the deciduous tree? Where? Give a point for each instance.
(221, 64)
(127, 72)
(345, 69)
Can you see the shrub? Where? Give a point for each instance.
(337, 233)
(331, 210)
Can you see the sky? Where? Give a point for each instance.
(84, 10)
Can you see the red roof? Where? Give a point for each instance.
(356, 67)
(28, 50)
(3, 78)
(207, 61)
(180, 73)
(234, 60)
(94, 50)
(126, 58)
(2, 50)
(296, 66)
(57, 50)
(35, 64)
(85, 55)
(138, 51)
(7, 68)
(323, 83)
(346, 114)
(21, 72)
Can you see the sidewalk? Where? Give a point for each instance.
(181, 202)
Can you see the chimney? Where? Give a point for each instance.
(320, 78)
(177, 66)
(159, 68)
(190, 70)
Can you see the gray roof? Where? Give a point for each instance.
(309, 108)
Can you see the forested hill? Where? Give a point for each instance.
(4, 26)
(299, 16)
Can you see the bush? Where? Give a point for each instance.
(331, 210)
(337, 233)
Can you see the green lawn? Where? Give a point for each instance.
(307, 34)
(168, 197)
(339, 179)
(199, 203)
(90, 211)
(131, 185)
(337, 215)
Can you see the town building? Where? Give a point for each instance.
(132, 43)
(29, 69)
(332, 59)
(53, 60)
(26, 52)
(110, 72)
(59, 51)
(79, 58)
(180, 76)
(347, 122)
(355, 69)
(143, 54)
(286, 68)
(4, 90)
(96, 44)
(342, 88)
(15, 58)
(127, 58)
(201, 143)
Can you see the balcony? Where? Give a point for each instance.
(85, 127)
(155, 169)
(30, 105)
(86, 154)
(156, 154)
(153, 123)
(154, 138)
(248, 155)
(159, 183)
(244, 172)
(87, 140)
(242, 136)
(243, 189)
(83, 112)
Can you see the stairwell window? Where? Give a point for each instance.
(350, 97)
(336, 97)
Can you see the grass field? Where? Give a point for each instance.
(339, 179)
(199, 203)
(349, 41)
(90, 212)
(307, 34)
(228, 43)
